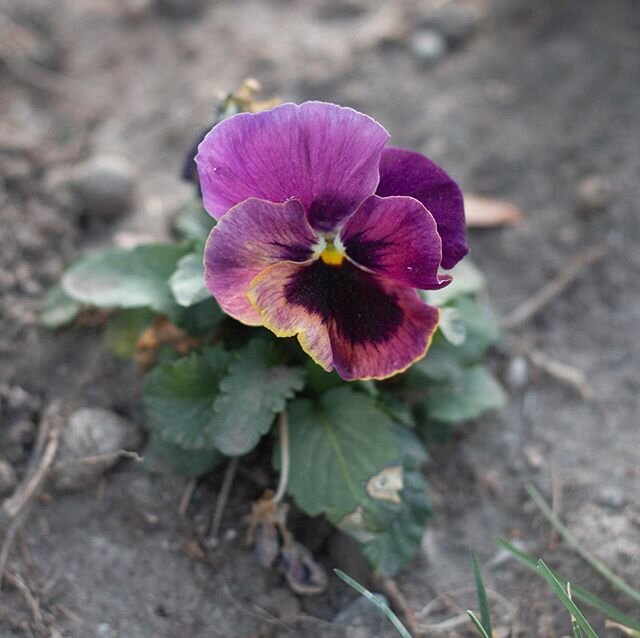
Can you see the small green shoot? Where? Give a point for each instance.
(568, 536)
(478, 625)
(577, 616)
(482, 598)
(527, 560)
(402, 630)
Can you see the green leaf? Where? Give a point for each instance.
(475, 392)
(467, 280)
(192, 463)
(452, 325)
(561, 593)
(399, 527)
(478, 625)
(337, 446)
(126, 278)
(482, 596)
(179, 395)
(59, 309)
(201, 317)
(123, 331)
(577, 592)
(254, 390)
(319, 381)
(187, 282)
(445, 359)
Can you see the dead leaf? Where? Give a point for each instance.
(486, 212)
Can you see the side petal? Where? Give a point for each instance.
(345, 318)
(251, 237)
(395, 237)
(404, 172)
(325, 155)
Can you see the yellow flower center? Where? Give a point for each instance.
(331, 255)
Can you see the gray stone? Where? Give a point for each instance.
(517, 372)
(104, 185)
(89, 444)
(455, 22)
(592, 194)
(428, 46)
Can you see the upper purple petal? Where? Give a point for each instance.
(397, 238)
(324, 155)
(404, 172)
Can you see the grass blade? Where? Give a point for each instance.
(478, 625)
(568, 536)
(527, 560)
(559, 590)
(402, 630)
(483, 604)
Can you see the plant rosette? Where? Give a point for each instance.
(309, 227)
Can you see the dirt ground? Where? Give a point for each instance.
(530, 100)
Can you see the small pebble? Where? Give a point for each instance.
(92, 432)
(428, 46)
(8, 478)
(362, 614)
(611, 496)
(517, 372)
(455, 22)
(104, 185)
(592, 194)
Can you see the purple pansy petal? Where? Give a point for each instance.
(269, 294)
(395, 237)
(404, 172)
(325, 155)
(345, 318)
(252, 236)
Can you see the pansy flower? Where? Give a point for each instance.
(325, 233)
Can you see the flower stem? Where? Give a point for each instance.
(283, 430)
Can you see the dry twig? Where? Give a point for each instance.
(223, 497)
(530, 307)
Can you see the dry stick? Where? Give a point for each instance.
(557, 369)
(32, 601)
(186, 497)
(398, 601)
(283, 430)
(15, 509)
(539, 300)
(223, 497)
(25, 492)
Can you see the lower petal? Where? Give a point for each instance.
(345, 318)
(249, 238)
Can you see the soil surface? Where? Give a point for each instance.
(534, 102)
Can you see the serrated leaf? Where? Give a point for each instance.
(445, 360)
(126, 278)
(187, 282)
(401, 526)
(179, 395)
(469, 396)
(254, 390)
(336, 446)
(59, 309)
(192, 463)
(467, 280)
(123, 330)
